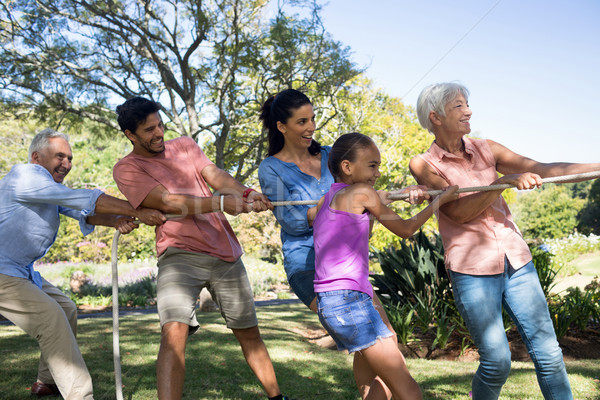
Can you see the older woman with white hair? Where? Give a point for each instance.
(488, 262)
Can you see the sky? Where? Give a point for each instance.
(532, 67)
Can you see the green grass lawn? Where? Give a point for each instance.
(216, 368)
(587, 264)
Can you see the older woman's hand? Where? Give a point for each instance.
(525, 181)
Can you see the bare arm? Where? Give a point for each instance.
(509, 162)
(461, 210)
(365, 196)
(227, 185)
(110, 205)
(119, 222)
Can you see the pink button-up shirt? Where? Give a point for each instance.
(477, 247)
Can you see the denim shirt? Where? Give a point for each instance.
(283, 181)
(30, 204)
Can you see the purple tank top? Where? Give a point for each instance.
(341, 248)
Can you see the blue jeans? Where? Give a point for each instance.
(479, 299)
(302, 285)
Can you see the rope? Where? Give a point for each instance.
(115, 315)
(401, 196)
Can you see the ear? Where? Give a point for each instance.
(35, 157)
(281, 127)
(346, 167)
(130, 135)
(435, 118)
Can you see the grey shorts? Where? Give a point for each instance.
(182, 275)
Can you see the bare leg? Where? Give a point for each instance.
(170, 366)
(367, 381)
(388, 363)
(258, 358)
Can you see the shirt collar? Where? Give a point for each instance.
(440, 153)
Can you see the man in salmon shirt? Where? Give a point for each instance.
(489, 264)
(195, 250)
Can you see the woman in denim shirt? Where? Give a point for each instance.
(296, 169)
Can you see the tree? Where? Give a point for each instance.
(550, 212)
(210, 63)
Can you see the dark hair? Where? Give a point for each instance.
(345, 148)
(279, 108)
(134, 112)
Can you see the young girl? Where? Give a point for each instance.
(341, 234)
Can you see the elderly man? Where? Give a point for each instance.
(488, 261)
(31, 198)
(197, 250)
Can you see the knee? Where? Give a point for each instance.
(248, 335)
(496, 363)
(70, 310)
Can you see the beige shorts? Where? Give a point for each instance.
(182, 275)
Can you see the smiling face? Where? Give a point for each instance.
(364, 168)
(299, 128)
(148, 138)
(457, 118)
(56, 158)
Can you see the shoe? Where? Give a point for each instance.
(44, 389)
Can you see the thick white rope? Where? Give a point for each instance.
(115, 315)
(396, 195)
(393, 196)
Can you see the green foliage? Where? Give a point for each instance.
(259, 235)
(210, 63)
(416, 291)
(548, 213)
(547, 274)
(576, 309)
(401, 318)
(589, 216)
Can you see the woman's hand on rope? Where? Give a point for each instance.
(525, 181)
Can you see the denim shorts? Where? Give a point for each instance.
(302, 285)
(351, 319)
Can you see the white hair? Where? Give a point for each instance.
(435, 97)
(41, 140)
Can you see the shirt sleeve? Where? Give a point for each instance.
(80, 216)
(293, 219)
(133, 182)
(36, 185)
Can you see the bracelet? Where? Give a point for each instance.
(222, 200)
(247, 192)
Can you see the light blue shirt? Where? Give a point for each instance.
(283, 181)
(30, 204)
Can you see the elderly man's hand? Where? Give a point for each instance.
(126, 224)
(150, 216)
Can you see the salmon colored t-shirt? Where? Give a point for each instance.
(477, 247)
(179, 170)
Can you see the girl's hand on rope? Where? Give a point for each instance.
(525, 181)
(125, 224)
(448, 194)
(384, 196)
(416, 194)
